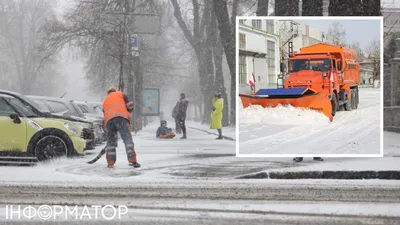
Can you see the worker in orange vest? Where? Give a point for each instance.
(117, 108)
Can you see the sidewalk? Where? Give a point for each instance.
(229, 132)
(387, 167)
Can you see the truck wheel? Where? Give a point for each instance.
(348, 104)
(356, 98)
(354, 94)
(334, 104)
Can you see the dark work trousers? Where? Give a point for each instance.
(114, 126)
(177, 126)
(183, 126)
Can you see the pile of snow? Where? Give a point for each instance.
(283, 115)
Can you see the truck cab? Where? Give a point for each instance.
(317, 72)
(328, 69)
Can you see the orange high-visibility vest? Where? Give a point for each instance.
(114, 106)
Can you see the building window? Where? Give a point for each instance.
(270, 26)
(241, 21)
(271, 60)
(242, 41)
(256, 24)
(242, 70)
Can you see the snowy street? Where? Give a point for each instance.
(288, 130)
(227, 202)
(194, 180)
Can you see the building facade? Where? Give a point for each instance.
(300, 35)
(258, 53)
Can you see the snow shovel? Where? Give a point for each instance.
(101, 153)
(305, 98)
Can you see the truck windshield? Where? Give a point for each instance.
(309, 64)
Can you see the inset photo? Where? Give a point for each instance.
(309, 86)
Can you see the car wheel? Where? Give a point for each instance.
(49, 147)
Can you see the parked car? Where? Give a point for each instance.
(68, 108)
(87, 131)
(26, 135)
(90, 109)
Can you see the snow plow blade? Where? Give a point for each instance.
(297, 97)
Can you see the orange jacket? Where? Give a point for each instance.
(114, 105)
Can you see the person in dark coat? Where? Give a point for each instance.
(182, 106)
(163, 132)
(177, 125)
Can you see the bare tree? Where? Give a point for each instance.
(227, 28)
(201, 37)
(312, 8)
(336, 34)
(262, 7)
(287, 8)
(29, 60)
(356, 46)
(373, 52)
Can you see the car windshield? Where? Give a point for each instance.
(59, 107)
(34, 104)
(84, 108)
(42, 106)
(77, 110)
(309, 64)
(20, 106)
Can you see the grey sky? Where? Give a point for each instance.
(363, 31)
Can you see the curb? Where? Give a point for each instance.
(337, 175)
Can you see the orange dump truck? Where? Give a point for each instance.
(321, 77)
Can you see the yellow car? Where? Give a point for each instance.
(26, 135)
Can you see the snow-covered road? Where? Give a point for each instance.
(206, 202)
(191, 182)
(287, 130)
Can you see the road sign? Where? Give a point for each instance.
(134, 42)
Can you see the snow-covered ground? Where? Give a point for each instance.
(288, 130)
(192, 182)
(159, 159)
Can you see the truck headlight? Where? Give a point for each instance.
(72, 128)
(325, 74)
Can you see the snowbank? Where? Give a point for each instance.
(282, 115)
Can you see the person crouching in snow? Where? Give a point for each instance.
(216, 114)
(164, 132)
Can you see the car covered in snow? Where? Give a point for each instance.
(26, 135)
(90, 109)
(68, 108)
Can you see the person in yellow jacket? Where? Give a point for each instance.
(216, 114)
(117, 108)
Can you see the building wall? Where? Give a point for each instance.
(259, 36)
(307, 36)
